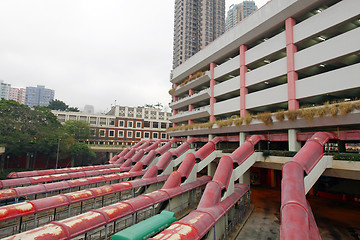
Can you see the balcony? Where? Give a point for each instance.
(197, 97)
(192, 84)
(190, 115)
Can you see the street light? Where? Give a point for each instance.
(57, 154)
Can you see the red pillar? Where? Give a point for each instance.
(292, 76)
(212, 86)
(191, 107)
(243, 89)
(175, 98)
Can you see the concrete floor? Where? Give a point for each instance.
(335, 219)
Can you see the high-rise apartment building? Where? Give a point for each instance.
(196, 24)
(18, 95)
(4, 90)
(38, 96)
(237, 12)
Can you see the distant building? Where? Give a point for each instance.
(196, 24)
(4, 90)
(237, 12)
(122, 125)
(89, 109)
(14, 93)
(18, 95)
(38, 96)
(22, 95)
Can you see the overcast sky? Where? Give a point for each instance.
(91, 52)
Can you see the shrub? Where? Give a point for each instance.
(308, 113)
(292, 115)
(280, 115)
(265, 117)
(267, 153)
(357, 105)
(347, 156)
(224, 123)
(208, 125)
(248, 118)
(334, 110)
(238, 122)
(346, 107)
(323, 111)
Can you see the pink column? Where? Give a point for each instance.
(243, 88)
(191, 107)
(175, 98)
(292, 76)
(212, 98)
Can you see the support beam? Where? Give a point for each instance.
(243, 88)
(324, 163)
(212, 95)
(292, 75)
(294, 145)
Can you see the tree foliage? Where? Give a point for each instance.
(79, 130)
(25, 130)
(82, 154)
(73, 109)
(61, 106)
(37, 131)
(57, 105)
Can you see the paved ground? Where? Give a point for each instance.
(336, 219)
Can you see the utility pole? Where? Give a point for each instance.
(57, 154)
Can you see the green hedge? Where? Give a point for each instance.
(347, 156)
(267, 153)
(338, 156)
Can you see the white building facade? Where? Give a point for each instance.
(122, 125)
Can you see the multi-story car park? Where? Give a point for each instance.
(122, 125)
(288, 58)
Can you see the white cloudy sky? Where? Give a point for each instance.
(90, 51)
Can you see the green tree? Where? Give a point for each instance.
(82, 154)
(57, 105)
(73, 109)
(61, 106)
(79, 130)
(27, 131)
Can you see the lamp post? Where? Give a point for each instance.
(57, 154)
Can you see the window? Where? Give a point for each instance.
(138, 124)
(102, 121)
(102, 132)
(92, 120)
(155, 125)
(111, 133)
(92, 132)
(146, 124)
(130, 124)
(129, 134)
(121, 123)
(146, 135)
(138, 134)
(163, 135)
(155, 135)
(163, 125)
(120, 134)
(112, 122)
